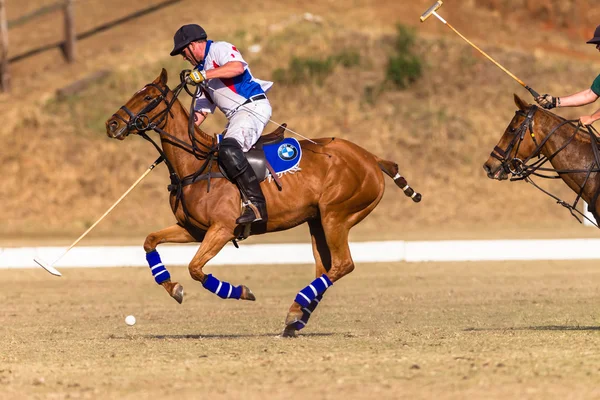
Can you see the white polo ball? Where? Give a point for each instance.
(130, 320)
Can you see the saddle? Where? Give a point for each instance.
(274, 137)
(273, 154)
(256, 155)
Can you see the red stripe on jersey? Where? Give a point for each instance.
(229, 83)
(226, 81)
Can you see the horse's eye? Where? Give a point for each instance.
(148, 98)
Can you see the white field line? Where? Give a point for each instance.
(261, 254)
(134, 256)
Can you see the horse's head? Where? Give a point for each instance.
(516, 144)
(147, 109)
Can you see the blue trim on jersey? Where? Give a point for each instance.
(242, 84)
(245, 86)
(200, 66)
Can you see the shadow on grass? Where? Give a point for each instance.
(217, 336)
(538, 328)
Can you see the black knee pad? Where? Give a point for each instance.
(232, 158)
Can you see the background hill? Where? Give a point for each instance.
(60, 172)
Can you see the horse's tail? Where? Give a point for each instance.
(391, 169)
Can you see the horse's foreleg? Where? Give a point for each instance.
(215, 239)
(172, 234)
(298, 316)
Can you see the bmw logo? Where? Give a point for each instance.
(287, 152)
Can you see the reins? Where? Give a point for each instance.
(140, 124)
(524, 170)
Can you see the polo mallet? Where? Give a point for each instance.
(432, 11)
(50, 267)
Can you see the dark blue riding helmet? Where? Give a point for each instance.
(186, 35)
(596, 38)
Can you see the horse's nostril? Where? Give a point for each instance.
(113, 125)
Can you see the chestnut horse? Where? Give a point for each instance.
(338, 185)
(536, 136)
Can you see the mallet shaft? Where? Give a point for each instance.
(487, 56)
(533, 92)
(150, 168)
(440, 17)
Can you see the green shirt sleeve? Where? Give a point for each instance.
(596, 86)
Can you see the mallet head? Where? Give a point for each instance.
(431, 10)
(47, 267)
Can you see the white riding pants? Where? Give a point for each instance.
(247, 123)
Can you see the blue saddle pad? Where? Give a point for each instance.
(283, 156)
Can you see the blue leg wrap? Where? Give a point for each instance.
(309, 293)
(224, 290)
(159, 272)
(307, 312)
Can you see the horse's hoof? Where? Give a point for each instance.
(177, 293)
(247, 294)
(292, 318)
(289, 332)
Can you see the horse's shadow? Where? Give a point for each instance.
(219, 336)
(538, 328)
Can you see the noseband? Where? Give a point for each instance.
(515, 165)
(141, 122)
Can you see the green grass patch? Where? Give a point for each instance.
(404, 66)
(310, 69)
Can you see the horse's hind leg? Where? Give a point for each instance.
(332, 264)
(298, 316)
(172, 234)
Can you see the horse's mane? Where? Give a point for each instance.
(581, 134)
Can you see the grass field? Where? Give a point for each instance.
(446, 331)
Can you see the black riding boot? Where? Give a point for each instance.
(256, 208)
(233, 161)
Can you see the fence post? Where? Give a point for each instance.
(70, 36)
(4, 73)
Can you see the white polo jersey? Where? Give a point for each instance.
(227, 93)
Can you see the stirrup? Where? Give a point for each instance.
(249, 207)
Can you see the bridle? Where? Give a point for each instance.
(515, 166)
(524, 169)
(141, 122)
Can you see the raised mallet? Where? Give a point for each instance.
(50, 267)
(433, 11)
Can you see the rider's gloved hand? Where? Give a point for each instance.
(196, 77)
(547, 101)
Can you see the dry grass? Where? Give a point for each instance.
(446, 331)
(60, 172)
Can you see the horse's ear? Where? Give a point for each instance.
(162, 79)
(522, 104)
